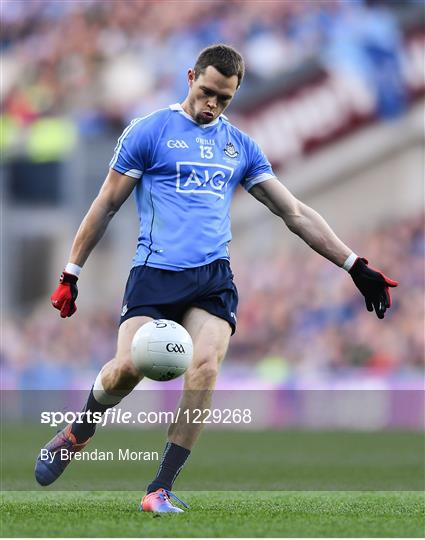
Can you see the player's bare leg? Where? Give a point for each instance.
(115, 381)
(120, 375)
(210, 336)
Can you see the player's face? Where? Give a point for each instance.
(209, 94)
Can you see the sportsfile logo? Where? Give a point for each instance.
(201, 178)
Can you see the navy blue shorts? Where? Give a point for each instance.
(167, 294)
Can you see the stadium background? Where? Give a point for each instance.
(334, 94)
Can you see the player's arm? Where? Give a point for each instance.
(114, 191)
(301, 220)
(314, 230)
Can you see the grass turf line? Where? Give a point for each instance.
(215, 514)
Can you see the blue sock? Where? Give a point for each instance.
(173, 459)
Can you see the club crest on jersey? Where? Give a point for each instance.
(230, 150)
(201, 178)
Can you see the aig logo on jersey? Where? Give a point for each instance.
(177, 143)
(203, 179)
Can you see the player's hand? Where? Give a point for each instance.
(373, 285)
(65, 295)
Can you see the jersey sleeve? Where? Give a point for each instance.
(132, 149)
(258, 166)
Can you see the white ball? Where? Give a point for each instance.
(162, 350)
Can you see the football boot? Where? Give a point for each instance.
(160, 501)
(49, 466)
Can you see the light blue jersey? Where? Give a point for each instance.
(187, 174)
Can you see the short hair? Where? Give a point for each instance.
(224, 58)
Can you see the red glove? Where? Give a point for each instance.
(65, 295)
(373, 285)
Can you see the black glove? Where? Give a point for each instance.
(65, 295)
(373, 285)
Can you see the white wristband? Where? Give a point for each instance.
(351, 259)
(72, 268)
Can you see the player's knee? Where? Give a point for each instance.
(205, 367)
(129, 370)
(126, 374)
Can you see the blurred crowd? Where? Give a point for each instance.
(101, 62)
(299, 317)
(308, 314)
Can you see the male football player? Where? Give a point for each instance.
(184, 163)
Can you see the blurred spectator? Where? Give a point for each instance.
(367, 44)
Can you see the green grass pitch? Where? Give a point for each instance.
(264, 484)
(216, 514)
